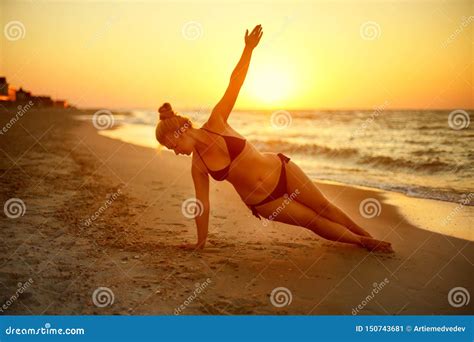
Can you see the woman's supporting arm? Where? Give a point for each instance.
(201, 186)
(223, 108)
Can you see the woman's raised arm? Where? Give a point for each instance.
(223, 108)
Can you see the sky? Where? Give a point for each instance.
(313, 54)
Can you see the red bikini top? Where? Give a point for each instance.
(234, 147)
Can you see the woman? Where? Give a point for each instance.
(276, 188)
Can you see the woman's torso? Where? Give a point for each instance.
(252, 173)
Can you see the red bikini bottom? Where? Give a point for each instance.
(279, 191)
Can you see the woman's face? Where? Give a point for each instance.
(180, 143)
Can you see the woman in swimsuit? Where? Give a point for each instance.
(271, 185)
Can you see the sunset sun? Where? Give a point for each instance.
(270, 84)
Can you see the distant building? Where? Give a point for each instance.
(11, 93)
(7, 92)
(9, 96)
(43, 101)
(3, 86)
(22, 95)
(60, 103)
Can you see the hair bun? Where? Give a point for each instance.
(166, 111)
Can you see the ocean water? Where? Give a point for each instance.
(427, 154)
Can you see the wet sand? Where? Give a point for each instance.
(102, 213)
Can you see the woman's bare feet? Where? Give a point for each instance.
(375, 245)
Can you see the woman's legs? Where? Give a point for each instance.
(294, 213)
(309, 195)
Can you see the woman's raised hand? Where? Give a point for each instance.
(252, 39)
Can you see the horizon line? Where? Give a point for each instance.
(289, 109)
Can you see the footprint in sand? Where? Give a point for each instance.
(289, 244)
(229, 263)
(174, 224)
(236, 306)
(210, 250)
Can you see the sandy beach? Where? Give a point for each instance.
(103, 213)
